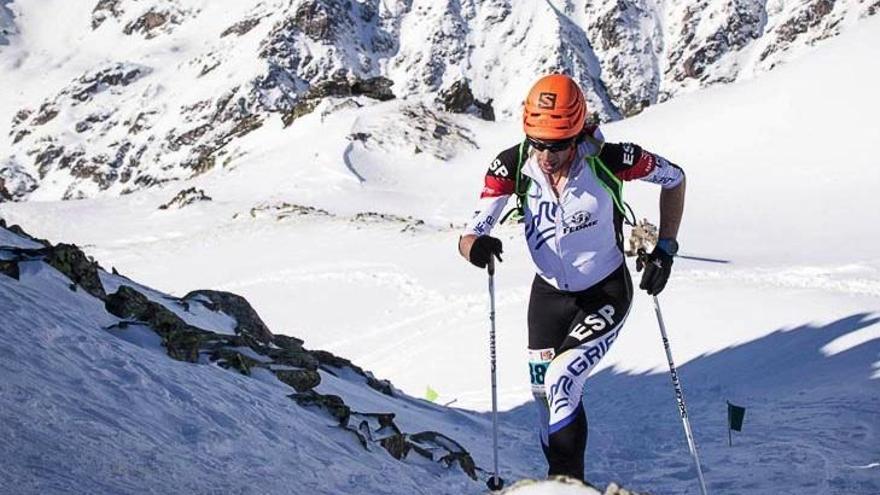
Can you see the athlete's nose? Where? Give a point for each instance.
(544, 156)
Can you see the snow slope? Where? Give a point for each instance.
(781, 175)
(91, 407)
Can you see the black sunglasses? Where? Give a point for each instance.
(551, 146)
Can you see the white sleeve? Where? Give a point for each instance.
(488, 213)
(665, 173)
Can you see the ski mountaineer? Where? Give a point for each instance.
(567, 182)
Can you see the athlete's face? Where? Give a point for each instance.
(552, 156)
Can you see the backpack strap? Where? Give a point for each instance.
(521, 187)
(613, 185)
(607, 180)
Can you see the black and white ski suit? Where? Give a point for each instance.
(582, 292)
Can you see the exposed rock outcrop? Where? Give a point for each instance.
(182, 341)
(66, 258)
(79, 268)
(458, 98)
(185, 197)
(282, 210)
(378, 88)
(248, 321)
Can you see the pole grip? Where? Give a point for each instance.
(491, 265)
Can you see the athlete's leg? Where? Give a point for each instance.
(550, 314)
(565, 450)
(602, 310)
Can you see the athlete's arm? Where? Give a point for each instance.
(630, 162)
(498, 186)
(465, 243)
(671, 209)
(490, 209)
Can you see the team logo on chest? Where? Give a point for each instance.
(579, 221)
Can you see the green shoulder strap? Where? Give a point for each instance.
(521, 187)
(607, 180)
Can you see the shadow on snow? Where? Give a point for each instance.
(811, 418)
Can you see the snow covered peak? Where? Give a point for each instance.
(131, 94)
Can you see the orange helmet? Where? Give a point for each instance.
(554, 109)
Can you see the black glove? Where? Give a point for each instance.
(658, 266)
(483, 248)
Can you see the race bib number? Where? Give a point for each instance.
(539, 360)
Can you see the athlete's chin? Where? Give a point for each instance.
(548, 168)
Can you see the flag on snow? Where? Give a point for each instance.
(431, 394)
(735, 415)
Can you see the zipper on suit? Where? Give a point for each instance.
(559, 224)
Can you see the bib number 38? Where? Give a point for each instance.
(537, 371)
(539, 360)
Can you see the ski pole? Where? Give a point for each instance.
(679, 396)
(495, 483)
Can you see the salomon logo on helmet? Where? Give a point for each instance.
(547, 101)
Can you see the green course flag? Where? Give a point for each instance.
(431, 394)
(735, 416)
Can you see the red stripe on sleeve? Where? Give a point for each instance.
(497, 186)
(641, 168)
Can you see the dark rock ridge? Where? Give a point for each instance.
(409, 224)
(282, 210)
(66, 258)
(458, 98)
(378, 88)
(248, 321)
(185, 197)
(160, 19)
(242, 27)
(182, 341)
(252, 346)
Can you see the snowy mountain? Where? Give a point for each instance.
(128, 94)
(340, 230)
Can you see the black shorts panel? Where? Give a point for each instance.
(554, 314)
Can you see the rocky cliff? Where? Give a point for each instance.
(138, 93)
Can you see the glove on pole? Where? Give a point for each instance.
(657, 266)
(495, 483)
(484, 249)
